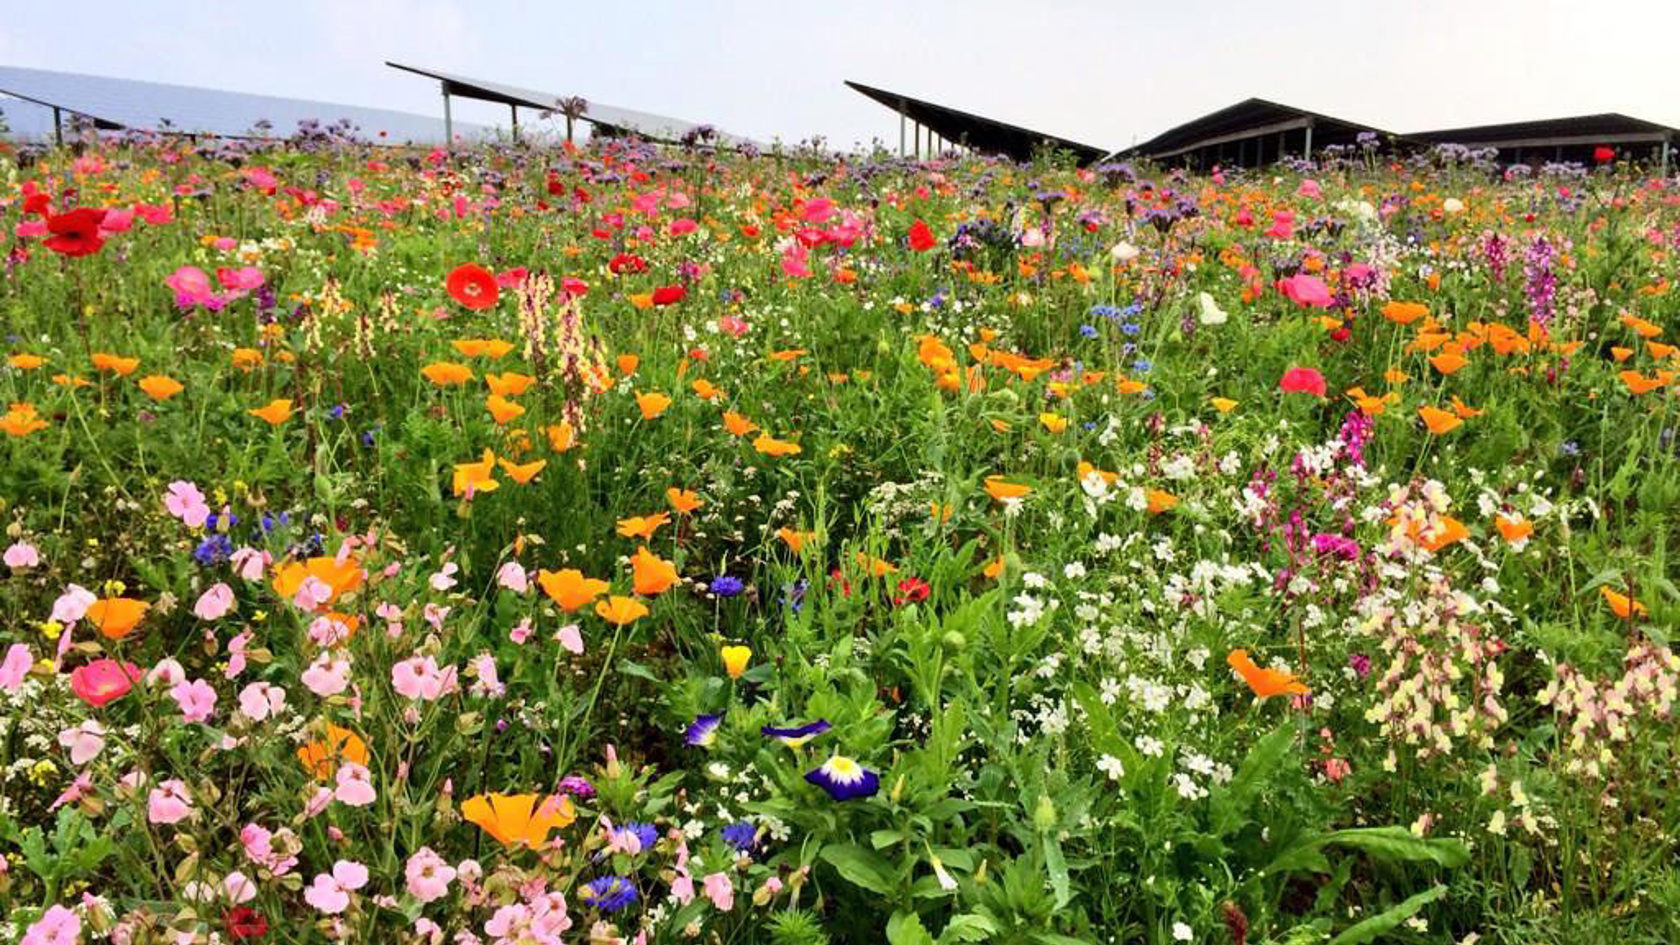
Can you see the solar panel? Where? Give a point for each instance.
(156, 106)
(609, 117)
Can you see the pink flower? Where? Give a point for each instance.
(734, 325)
(197, 699)
(236, 654)
(15, 667)
(1302, 380)
(57, 926)
(418, 677)
(260, 700)
(719, 891)
(192, 288)
(21, 555)
(1309, 188)
(186, 502)
(249, 563)
(521, 631)
(512, 576)
(168, 803)
(241, 280)
(238, 887)
(312, 593)
(428, 875)
(328, 630)
(327, 676)
(330, 893)
(30, 228)
(84, 742)
(1305, 290)
(103, 681)
(444, 578)
(117, 220)
(570, 638)
(72, 604)
(166, 672)
(352, 785)
(214, 603)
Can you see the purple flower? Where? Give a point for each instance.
(609, 893)
(725, 585)
(844, 778)
(742, 836)
(702, 732)
(798, 734)
(576, 786)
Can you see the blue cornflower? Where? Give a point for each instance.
(742, 836)
(1142, 365)
(1088, 331)
(609, 893)
(725, 585)
(793, 595)
(1569, 448)
(1104, 311)
(646, 834)
(213, 550)
(1130, 328)
(337, 411)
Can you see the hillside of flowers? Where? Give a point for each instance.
(625, 544)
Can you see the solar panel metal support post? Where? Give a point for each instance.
(58, 126)
(901, 121)
(1308, 154)
(448, 120)
(1665, 147)
(515, 110)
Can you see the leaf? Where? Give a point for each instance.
(967, 927)
(1398, 843)
(632, 668)
(1368, 931)
(1057, 865)
(861, 867)
(1228, 807)
(1056, 938)
(904, 928)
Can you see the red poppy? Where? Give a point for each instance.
(244, 922)
(921, 238)
(76, 233)
(912, 590)
(572, 285)
(668, 294)
(1603, 155)
(37, 204)
(1303, 380)
(625, 262)
(472, 285)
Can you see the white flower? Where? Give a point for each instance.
(1124, 252)
(1182, 932)
(1452, 205)
(1212, 314)
(1111, 766)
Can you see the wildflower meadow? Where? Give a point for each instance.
(628, 544)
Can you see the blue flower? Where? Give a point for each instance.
(844, 778)
(1089, 331)
(1130, 328)
(702, 732)
(797, 735)
(1142, 365)
(725, 585)
(609, 893)
(742, 836)
(646, 834)
(214, 549)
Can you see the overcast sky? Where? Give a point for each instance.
(1105, 73)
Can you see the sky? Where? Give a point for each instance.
(1108, 73)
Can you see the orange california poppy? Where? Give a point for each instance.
(341, 577)
(705, 390)
(160, 387)
(621, 610)
(652, 404)
(770, 446)
(1622, 605)
(25, 361)
(795, 540)
(1224, 404)
(790, 354)
(1160, 501)
(561, 436)
(21, 420)
(1002, 490)
(246, 358)
(509, 383)
(522, 473)
(445, 373)
(116, 617)
(519, 819)
(1449, 361)
(1638, 383)
(736, 424)
(116, 364)
(683, 500)
(569, 588)
(501, 409)
(476, 477)
(1265, 683)
(1465, 410)
(1404, 313)
(1439, 421)
(1446, 532)
(627, 364)
(275, 412)
(321, 756)
(875, 567)
(1054, 422)
(642, 526)
(1514, 528)
(651, 574)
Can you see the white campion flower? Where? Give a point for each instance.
(1212, 314)
(1124, 252)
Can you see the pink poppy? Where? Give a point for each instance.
(103, 681)
(1306, 290)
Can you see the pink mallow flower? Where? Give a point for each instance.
(57, 926)
(214, 603)
(196, 698)
(353, 785)
(186, 502)
(84, 742)
(260, 700)
(168, 803)
(21, 556)
(330, 892)
(428, 875)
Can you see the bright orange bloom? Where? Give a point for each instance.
(1622, 605)
(1449, 361)
(25, 361)
(519, 819)
(1621, 354)
(1638, 383)
(501, 409)
(522, 473)
(341, 577)
(652, 404)
(1084, 470)
(116, 617)
(1404, 313)
(736, 424)
(1465, 410)
(875, 567)
(770, 446)
(1054, 422)
(491, 348)
(1439, 421)
(1265, 683)
(1001, 489)
(160, 387)
(1224, 404)
(116, 364)
(569, 588)
(627, 364)
(246, 358)
(705, 390)
(642, 526)
(795, 540)
(321, 757)
(1160, 501)
(275, 412)
(651, 574)
(683, 500)
(21, 420)
(787, 355)
(473, 478)
(1448, 531)
(509, 383)
(1514, 529)
(445, 373)
(621, 610)
(561, 436)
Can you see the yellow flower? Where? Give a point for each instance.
(735, 660)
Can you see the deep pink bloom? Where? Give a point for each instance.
(103, 681)
(1302, 380)
(1306, 290)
